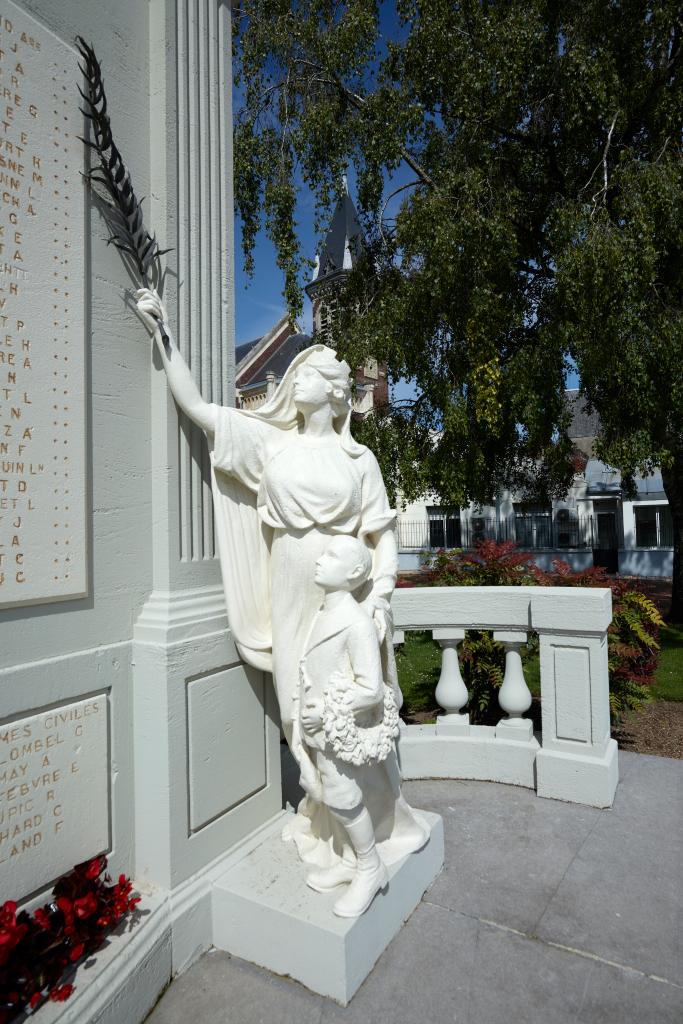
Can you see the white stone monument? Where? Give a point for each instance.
(288, 479)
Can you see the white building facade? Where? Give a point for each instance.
(595, 524)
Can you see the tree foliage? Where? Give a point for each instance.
(539, 222)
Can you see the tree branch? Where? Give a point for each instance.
(391, 195)
(602, 192)
(359, 103)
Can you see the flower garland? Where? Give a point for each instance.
(37, 949)
(351, 742)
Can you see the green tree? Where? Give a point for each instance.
(537, 149)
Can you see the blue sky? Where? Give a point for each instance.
(259, 303)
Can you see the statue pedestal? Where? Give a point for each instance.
(264, 912)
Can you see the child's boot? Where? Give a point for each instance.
(371, 873)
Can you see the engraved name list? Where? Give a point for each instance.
(42, 365)
(54, 800)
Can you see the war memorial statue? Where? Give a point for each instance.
(287, 479)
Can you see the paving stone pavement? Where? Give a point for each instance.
(544, 912)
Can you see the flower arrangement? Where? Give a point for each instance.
(38, 949)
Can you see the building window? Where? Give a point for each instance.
(566, 528)
(478, 529)
(444, 527)
(481, 527)
(654, 526)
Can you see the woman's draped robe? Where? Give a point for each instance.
(278, 498)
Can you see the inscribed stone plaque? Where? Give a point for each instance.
(54, 794)
(42, 336)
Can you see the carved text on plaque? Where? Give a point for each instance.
(42, 337)
(54, 794)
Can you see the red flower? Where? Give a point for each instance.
(11, 933)
(85, 906)
(65, 905)
(8, 913)
(42, 918)
(61, 994)
(94, 868)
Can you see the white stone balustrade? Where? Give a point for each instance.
(576, 759)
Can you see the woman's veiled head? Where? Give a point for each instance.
(281, 410)
(322, 378)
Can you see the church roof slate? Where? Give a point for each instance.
(244, 349)
(278, 360)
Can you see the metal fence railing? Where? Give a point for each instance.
(531, 532)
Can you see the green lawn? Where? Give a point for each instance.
(669, 678)
(418, 662)
(532, 672)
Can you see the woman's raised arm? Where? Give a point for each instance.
(152, 312)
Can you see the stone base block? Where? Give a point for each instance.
(515, 729)
(424, 754)
(453, 725)
(264, 912)
(578, 778)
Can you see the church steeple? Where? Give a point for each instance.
(340, 252)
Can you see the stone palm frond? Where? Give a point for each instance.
(118, 202)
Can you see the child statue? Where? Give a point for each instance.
(347, 720)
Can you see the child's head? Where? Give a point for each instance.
(345, 564)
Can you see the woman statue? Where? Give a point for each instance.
(285, 478)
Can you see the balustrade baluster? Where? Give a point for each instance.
(514, 695)
(451, 692)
